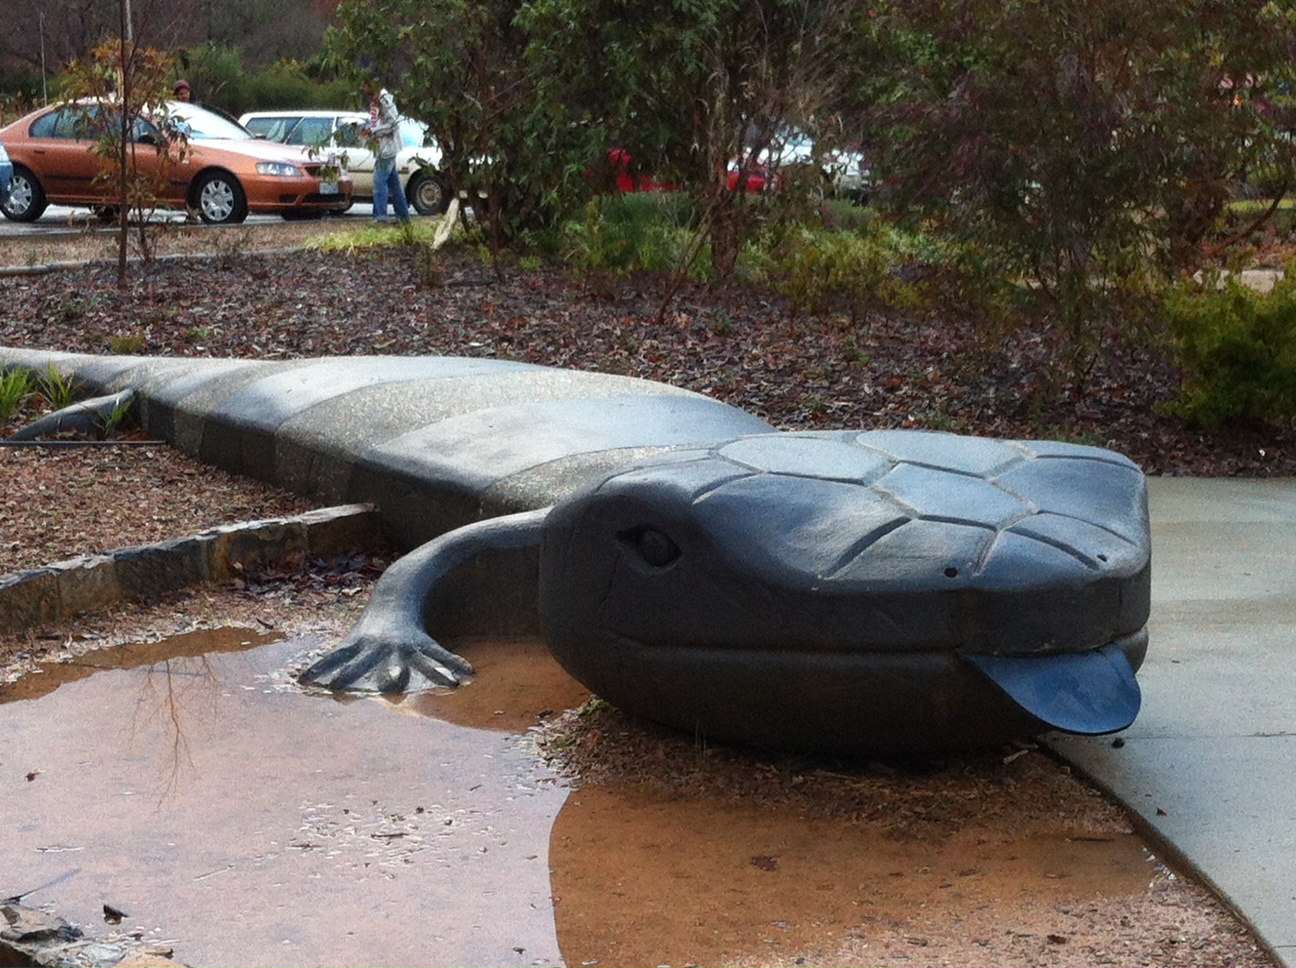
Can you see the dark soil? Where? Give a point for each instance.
(935, 370)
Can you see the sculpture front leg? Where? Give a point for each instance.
(390, 650)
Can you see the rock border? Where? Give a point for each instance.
(38, 596)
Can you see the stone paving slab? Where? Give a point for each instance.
(1210, 764)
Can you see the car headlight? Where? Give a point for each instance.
(280, 168)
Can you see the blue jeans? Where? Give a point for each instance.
(387, 181)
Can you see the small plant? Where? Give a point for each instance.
(127, 343)
(406, 232)
(69, 308)
(1237, 347)
(15, 384)
(626, 233)
(196, 334)
(852, 352)
(55, 388)
(117, 419)
(822, 271)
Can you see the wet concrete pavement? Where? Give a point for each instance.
(1210, 763)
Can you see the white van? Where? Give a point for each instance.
(338, 132)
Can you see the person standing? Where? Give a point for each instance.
(384, 127)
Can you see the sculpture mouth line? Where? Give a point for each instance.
(1132, 643)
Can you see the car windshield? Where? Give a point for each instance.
(203, 125)
(412, 133)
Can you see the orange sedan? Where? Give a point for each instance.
(222, 173)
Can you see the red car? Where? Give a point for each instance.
(223, 173)
(755, 177)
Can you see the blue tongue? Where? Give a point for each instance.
(1089, 692)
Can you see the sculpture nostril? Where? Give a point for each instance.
(951, 572)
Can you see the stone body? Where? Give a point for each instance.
(859, 592)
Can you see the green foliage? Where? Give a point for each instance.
(15, 384)
(116, 420)
(686, 86)
(1084, 146)
(221, 77)
(412, 232)
(462, 67)
(1237, 348)
(849, 272)
(55, 388)
(126, 343)
(627, 233)
(120, 90)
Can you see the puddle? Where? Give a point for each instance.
(239, 821)
(192, 786)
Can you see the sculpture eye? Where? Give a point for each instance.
(653, 546)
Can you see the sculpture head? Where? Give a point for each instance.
(755, 582)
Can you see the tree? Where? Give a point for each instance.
(526, 96)
(118, 93)
(1082, 146)
(461, 67)
(46, 34)
(687, 86)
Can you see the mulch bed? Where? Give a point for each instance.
(744, 345)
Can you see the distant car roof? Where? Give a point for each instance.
(312, 113)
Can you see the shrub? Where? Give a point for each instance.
(1237, 347)
(625, 233)
(823, 271)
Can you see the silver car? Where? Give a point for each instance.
(338, 133)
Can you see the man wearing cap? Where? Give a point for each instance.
(181, 90)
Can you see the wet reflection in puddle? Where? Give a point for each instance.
(193, 786)
(517, 683)
(200, 792)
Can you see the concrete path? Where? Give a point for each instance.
(1210, 764)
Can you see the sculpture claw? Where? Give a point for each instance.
(367, 664)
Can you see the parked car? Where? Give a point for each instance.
(6, 174)
(224, 172)
(843, 171)
(626, 179)
(339, 132)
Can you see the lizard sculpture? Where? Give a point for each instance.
(862, 592)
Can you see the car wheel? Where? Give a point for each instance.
(26, 197)
(221, 199)
(428, 194)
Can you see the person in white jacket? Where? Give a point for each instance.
(384, 127)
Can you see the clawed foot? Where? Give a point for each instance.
(365, 663)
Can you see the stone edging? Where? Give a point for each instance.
(40, 596)
(45, 268)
